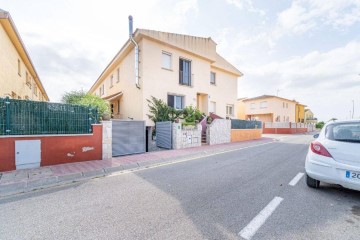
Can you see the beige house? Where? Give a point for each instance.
(181, 70)
(309, 117)
(267, 108)
(18, 77)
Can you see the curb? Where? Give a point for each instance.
(14, 188)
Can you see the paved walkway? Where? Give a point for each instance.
(26, 180)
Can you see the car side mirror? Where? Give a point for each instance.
(316, 135)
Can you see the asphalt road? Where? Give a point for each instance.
(235, 195)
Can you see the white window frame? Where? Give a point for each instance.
(169, 64)
(211, 81)
(228, 107)
(252, 106)
(118, 75)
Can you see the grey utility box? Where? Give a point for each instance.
(27, 154)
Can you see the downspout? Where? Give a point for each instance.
(131, 36)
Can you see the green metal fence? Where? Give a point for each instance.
(22, 117)
(243, 124)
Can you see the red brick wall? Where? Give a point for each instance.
(56, 149)
(283, 130)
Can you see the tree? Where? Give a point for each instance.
(320, 125)
(81, 98)
(160, 111)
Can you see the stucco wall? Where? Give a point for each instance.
(10, 80)
(274, 106)
(159, 82)
(219, 131)
(238, 135)
(55, 149)
(183, 138)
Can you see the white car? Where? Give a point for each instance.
(334, 157)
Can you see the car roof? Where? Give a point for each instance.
(344, 121)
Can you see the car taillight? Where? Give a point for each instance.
(318, 148)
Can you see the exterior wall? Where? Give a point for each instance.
(131, 101)
(238, 135)
(55, 149)
(261, 117)
(183, 138)
(10, 81)
(159, 82)
(219, 131)
(240, 108)
(274, 106)
(106, 140)
(300, 113)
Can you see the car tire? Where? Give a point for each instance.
(313, 183)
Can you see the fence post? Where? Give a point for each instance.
(7, 114)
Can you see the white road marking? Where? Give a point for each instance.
(249, 231)
(296, 179)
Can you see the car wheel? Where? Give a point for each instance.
(313, 183)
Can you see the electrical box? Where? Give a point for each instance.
(27, 154)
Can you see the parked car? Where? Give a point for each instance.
(334, 157)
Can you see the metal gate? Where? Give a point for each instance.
(128, 137)
(164, 135)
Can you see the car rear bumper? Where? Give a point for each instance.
(329, 171)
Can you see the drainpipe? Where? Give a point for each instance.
(131, 36)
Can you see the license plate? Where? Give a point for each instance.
(352, 175)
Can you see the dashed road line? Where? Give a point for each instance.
(249, 231)
(296, 179)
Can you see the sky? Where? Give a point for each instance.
(307, 50)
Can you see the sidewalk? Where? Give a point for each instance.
(26, 180)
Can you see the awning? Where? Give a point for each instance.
(113, 96)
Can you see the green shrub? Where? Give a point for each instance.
(320, 125)
(81, 98)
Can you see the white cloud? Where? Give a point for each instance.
(304, 15)
(246, 5)
(324, 81)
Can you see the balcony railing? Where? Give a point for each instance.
(185, 78)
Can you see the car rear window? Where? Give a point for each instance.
(345, 132)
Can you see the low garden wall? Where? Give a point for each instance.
(55, 149)
(219, 131)
(185, 137)
(238, 135)
(286, 128)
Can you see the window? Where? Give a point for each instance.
(28, 79)
(176, 101)
(287, 119)
(35, 90)
(166, 60)
(19, 67)
(343, 132)
(277, 119)
(118, 75)
(101, 90)
(230, 110)
(185, 72)
(212, 78)
(111, 80)
(263, 104)
(252, 106)
(287, 105)
(283, 105)
(213, 107)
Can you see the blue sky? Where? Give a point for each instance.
(309, 50)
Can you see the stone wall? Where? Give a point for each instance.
(107, 140)
(183, 138)
(219, 131)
